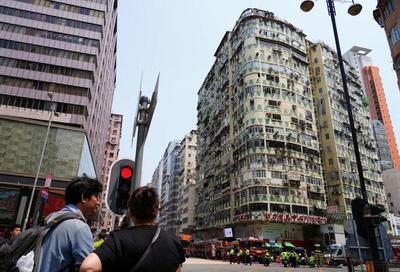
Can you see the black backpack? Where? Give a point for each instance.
(29, 240)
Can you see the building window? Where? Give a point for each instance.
(112, 155)
(330, 161)
(276, 117)
(391, 204)
(389, 8)
(395, 35)
(389, 195)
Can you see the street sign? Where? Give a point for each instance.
(358, 246)
(47, 182)
(332, 209)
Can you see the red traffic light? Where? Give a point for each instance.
(126, 172)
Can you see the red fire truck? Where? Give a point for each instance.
(257, 251)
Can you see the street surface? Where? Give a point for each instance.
(201, 265)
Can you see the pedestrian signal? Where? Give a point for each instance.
(119, 186)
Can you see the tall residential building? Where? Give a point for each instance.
(258, 156)
(156, 179)
(379, 109)
(358, 58)
(387, 15)
(187, 180)
(168, 218)
(67, 48)
(382, 145)
(373, 89)
(340, 169)
(110, 155)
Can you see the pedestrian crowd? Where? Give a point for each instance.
(65, 241)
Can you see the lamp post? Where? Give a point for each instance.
(52, 111)
(353, 10)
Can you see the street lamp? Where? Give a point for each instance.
(52, 112)
(353, 10)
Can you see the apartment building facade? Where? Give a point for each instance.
(67, 48)
(187, 180)
(111, 153)
(373, 89)
(258, 156)
(340, 170)
(382, 145)
(387, 15)
(379, 109)
(391, 179)
(170, 187)
(156, 179)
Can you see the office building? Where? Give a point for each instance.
(61, 53)
(67, 48)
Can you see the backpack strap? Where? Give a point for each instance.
(134, 269)
(48, 227)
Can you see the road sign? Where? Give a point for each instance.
(358, 246)
(332, 209)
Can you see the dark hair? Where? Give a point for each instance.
(144, 203)
(81, 186)
(102, 235)
(13, 227)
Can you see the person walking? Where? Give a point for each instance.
(143, 247)
(11, 234)
(66, 246)
(232, 255)
(247, 257)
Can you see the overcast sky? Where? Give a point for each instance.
(178, 38)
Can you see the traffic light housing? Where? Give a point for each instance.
(357, 208)
(119, 186)
(374, 211)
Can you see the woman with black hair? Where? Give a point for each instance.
(143, 247)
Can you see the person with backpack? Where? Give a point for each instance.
(65, 246)
(143, 247)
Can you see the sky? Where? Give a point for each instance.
(178, 39)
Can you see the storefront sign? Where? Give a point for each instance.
(47, 182)
(281, 217)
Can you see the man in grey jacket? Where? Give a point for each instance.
(66, 246)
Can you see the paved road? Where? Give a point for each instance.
(201, 265)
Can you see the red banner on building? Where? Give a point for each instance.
(281, 217)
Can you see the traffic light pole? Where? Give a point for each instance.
(141, 138)
(371, 229)
(143, 119)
